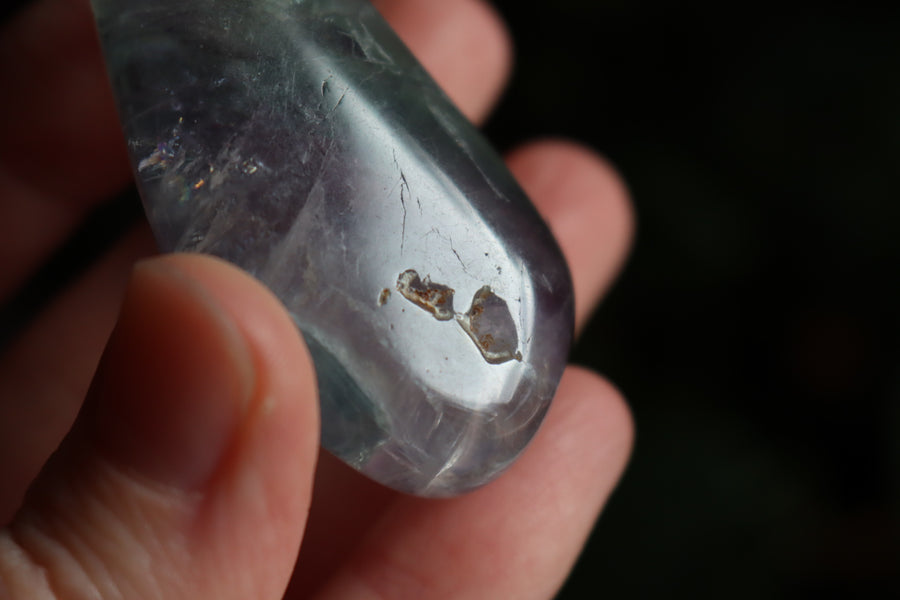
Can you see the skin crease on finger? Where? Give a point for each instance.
(474, 83)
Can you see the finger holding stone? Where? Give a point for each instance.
(188, 473)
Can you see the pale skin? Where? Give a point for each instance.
(189, 464)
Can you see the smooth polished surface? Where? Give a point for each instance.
(301, 141)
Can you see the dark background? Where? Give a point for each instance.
(754, 329)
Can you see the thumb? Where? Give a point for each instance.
(189, 470)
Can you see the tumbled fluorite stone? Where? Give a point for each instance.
(300, 140)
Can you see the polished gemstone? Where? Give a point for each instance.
(300, 140)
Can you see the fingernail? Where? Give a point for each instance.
(174, 382)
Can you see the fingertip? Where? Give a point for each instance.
(263, 320)
(588, 207)
(175, 380)
(279, 439)
(463, 44)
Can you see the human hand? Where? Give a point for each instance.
(193, 462)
